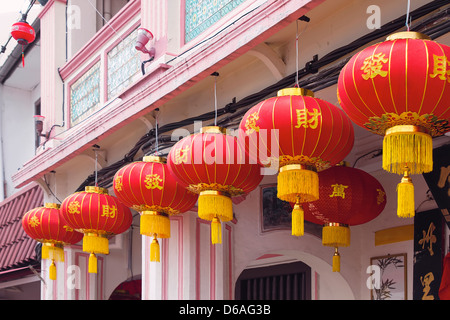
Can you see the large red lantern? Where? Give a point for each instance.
(214, 165)
(400, 88)
(45, 225)
(98, 216)
(347, 197)
(24, 34)
(305, 135)
(148, 187)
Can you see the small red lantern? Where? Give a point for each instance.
(24, 34)
(148, 187)
(312, 135)
(215, 166)
(348, 197)
(98, 216)
(45, 224)
(400, 88)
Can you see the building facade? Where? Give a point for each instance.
(101, 99)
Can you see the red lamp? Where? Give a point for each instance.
(46, 225)
(400, 88)
(24, 34)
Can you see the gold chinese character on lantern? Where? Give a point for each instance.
(440, 68)
(338, 190)
(152, 181)
(373, 66)
(109, 211)
(250, 123)
(425, 281)
(118, 183)
(34, 222)
(74, 207)
(444, 177)
(308, 119)
(181, 155)
(380, 196)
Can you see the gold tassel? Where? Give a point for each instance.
(298, 224)
(407, 144)
(297, 181)
(52, 251)
(336, 235)
(336, 261)
(405, 197)
(96, 243)
(213, 203)
(52, 271)
(92, 266)
(154, 250)
(216, 231)
(155, 222)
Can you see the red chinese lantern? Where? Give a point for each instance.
(45, 224)
(24, 34)
(400, 88)
(148, 187)
(347, 197)
(215, 166)
(312, 135)
(98, 216)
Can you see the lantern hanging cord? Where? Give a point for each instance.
(215, 75)
(156, 132)
(408, 23)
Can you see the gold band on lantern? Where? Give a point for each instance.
(295, 92)
(407, 35)
(335, 224)
(154, 213)
(94, 189)
(155, 159)
(213, 129)
(214, 193)
(52, 205)
(297, 166)
(407, 128)
(96, 234)
(53, 245)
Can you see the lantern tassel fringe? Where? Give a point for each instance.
(92, 265)
(152, 223)
(52, 271)
(52, 253)
(414, 149)
(216, 231)
(302, 183)
(336, 261)
(298, 223)
(336, 236)
(405, 197)
(215, 205)
(95, 243)
(154, 250)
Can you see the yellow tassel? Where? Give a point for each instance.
(92, 266)
(336, 261)
(216, 231)
(154, 250)
(405, 197)
(294, 183)
(407, 145)
(155, 222)
(336, 235)
(52, 271)
(215, 204)
(52, 251)
(298, 224)
(93, 242)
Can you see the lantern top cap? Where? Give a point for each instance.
(295, 92)
(214, 129)
(407, 35)
(52, 205)
(155, 159)
(94, 189)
